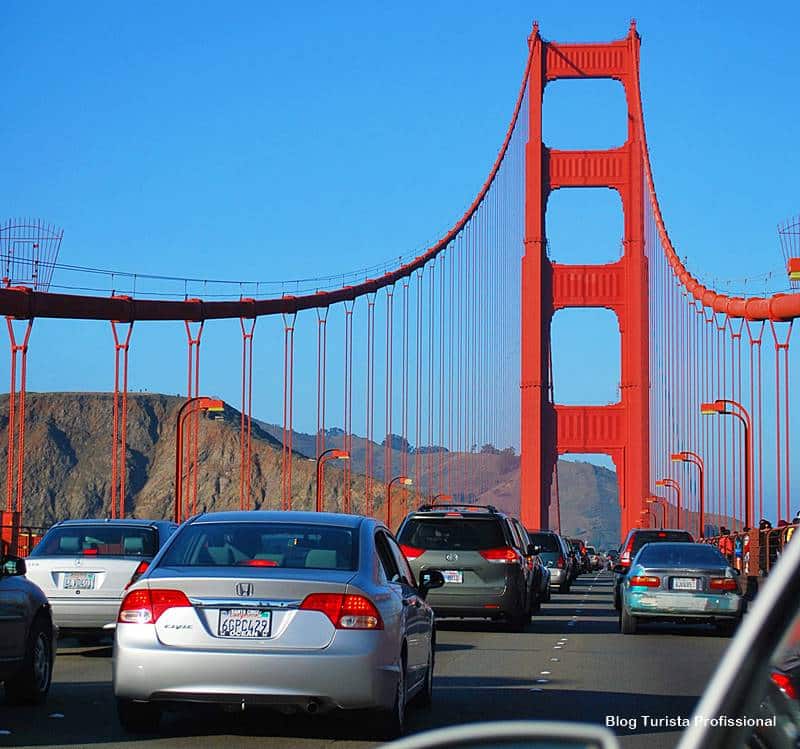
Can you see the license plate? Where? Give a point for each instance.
(453, 576)
(79, 580)
(684, 583)
(249, 623)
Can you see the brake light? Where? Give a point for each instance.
(345, 611)
(723, 583)
(145, 606)
(560, 562)
(258, 563)
(662, 535)
(411, 552)
(625, 557)
(784, 683)
(90, 552)
(141, 568)
(645, 581)
(504, 555)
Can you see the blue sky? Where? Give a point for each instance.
(275, 140)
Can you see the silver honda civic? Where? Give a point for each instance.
(298, 611)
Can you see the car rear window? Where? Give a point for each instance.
(107, 540)
(652, 537)
(680, 555)
(247, 544)
(547, 541)
(439, 534)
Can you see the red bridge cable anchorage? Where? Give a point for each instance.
(248, 326)
(119, 426)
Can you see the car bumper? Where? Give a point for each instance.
(557, 575)
(88, 614)
(695, 606)
(481, 602)
(354, 671)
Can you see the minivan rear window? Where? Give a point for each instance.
(439, 534)
(547, 541)
(641, 538)
(249, 544)
(107, 540)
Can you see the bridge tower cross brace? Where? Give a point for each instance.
(620, 430)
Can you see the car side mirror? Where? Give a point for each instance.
(534, 550)
(430, 580)
(13, 566)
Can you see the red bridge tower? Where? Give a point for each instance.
(620, 430)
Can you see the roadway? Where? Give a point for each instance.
(570, 664)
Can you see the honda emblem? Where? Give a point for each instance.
(244, 589)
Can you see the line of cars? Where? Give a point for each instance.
(302, 612)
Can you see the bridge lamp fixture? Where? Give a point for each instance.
(405, 481)
(331, 454)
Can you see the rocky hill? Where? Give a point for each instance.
(68, 466)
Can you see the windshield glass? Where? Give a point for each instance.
(286, 545)
(547, 541)
(98, 540)
(469, 534)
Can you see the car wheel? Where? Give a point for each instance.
(425, 697)
(517, 620)
(390, 724)
(138, 717)
(31, 683)
(627, 622)
(727, 629)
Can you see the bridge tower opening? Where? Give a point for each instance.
(620, 430)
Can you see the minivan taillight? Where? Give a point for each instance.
(345, 611)
(145, 606)
(411, 552)
(504, 555)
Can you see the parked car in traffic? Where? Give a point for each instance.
(84, 566)
(684, 582)
(581, 557)
(27, 635)
(612, 555)
(485, 572)
(594, 558)
(636, 538)
(303, 611)
(556, 557)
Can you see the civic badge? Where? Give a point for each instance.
(77, 562)
(244, 589)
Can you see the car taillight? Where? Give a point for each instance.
(345, 611)
(645, 581)
(784, 683)
(723, 583)
(145, 606)
(560, 562)
(141, 568)
(258, 563)
(411, 552)
(90, 552)
(625, 557)
(504, 555)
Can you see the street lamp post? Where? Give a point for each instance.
(659, 501)
(330, 454)
(671, 483)
(650, 514)
(733, 408)
(406, 481)
(192, 405)
(687, 456)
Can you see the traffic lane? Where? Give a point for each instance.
(83, 711)
(483, 672)
(660, 673)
